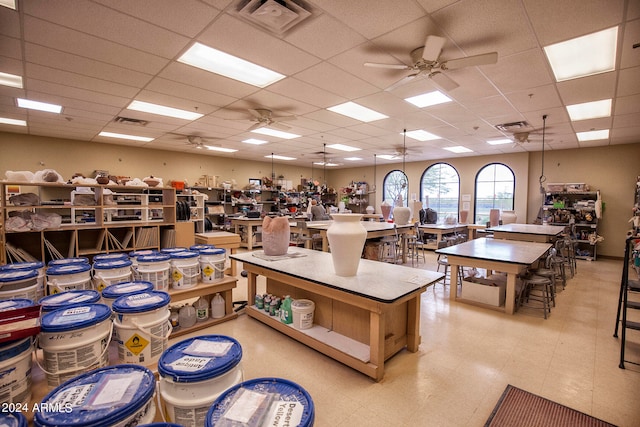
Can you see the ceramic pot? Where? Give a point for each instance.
(370, 210)
(401, 215)
(386, 211)
(346, 237)
(275, 235)
(509, 217)
(494, 217)
(464, 215)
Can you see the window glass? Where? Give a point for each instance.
(495, 185)
(394, 186)
(440, 190)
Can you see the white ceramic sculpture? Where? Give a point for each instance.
(401, 215)
(346, 237)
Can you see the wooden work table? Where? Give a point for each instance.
(441, 230)
(361, 320)
(507, 256)
(527, 232)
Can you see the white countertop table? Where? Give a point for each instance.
(527, 232)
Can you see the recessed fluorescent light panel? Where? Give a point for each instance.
(15, 122)
(458, 149)
(276, 133)
(220, 149)
(255, 141)
(421, 135)
(342, 147)
(11, 4)
(358, 112)
(499, 141)
(125, 136)
(593, 135)
(589, 110)
(222, 63)
(277, 157)
(353, 159)
(147, 107)
(387, 156)
(428, 99)
(11, 80)
(325, 164)
(40, 106)
(584, 56)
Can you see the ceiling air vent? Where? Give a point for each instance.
(514, 126)
(276, 16)
(130, 121)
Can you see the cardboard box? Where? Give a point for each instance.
(484, 292)
(576, 187)
(555, 187)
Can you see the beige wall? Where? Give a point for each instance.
(612, 170)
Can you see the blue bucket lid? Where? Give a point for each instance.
(67, 261)
(12, 349)
(198, 248)
(68, 299)
(160, 425)
(288, 391)
(98, 408)
(216, 355)
(110, 257)
(14, 304)
(13, 419)
(126, 288)
(172, 250)
(31, 265)
(16, 275)
(71, 318)
(110, 264)
(60, 270)
(154, 258)
(138, 303)
(135, 254)
(184, 255)
(213, 251)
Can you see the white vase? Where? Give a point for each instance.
(346, 237)
(509, 217)
(401, 215)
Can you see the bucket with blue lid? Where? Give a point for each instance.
(212, 264)
(108, 272)
(68, 299)
(113, 396)
(13, 419)
(263, 402)
(117, 290)
(29, 265)
(154, 268)
(133, 255)
(194, 372)
(198, 248)
(15, 369)
(74, 340)
(117, 256)
(67, 261)
(19, 284)
(185, 269)
(142, 326)
(65, 277)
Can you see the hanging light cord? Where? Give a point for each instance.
(543, 178)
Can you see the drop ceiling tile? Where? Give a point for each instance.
(10, 48)
(627, 104)
(628, 82)
(535, 98)
(9, 22)
(625, 135)
(626, 120)
(526, 69)
(335, 80)
(586, 89)
(195, 93)
(294, 88)
(209, 81)
(631, 36)
(55, 93)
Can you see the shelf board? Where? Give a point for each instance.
(201, 325)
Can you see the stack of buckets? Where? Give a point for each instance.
(185, 269)
(34, 295)
(106, 272)
(67, 274)
(153, 268)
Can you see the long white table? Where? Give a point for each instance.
(508, 256)
(441, 230)
(361, 320)
(527, 232)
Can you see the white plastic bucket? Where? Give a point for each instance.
(114, 396)
(65, 277)
(155, 269)
(133, 256)
(170, 251)
(117, 290)
(198, 248)
(142, 326)
(29, 265)
(110, 257)
(19, 284)
(185, 269)
(106, 273)
(69, 299)
(194, 372)
(15, 371)
(212, 263)
(74, 340)
(67, 261)
(302, 310)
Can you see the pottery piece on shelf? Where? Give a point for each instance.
(509, 217)
(346, 237)
(386, 209)
(401, 215)
(275, 235)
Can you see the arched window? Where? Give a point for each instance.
(440, 189)
(495, 185)
(395, 184)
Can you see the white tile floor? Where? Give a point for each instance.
(467, 357)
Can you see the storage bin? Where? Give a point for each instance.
(576, 187)
(555, 187)
(486, 291)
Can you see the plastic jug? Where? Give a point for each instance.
(187, 316)
(286, 314)
(202, 309)
(217, 307)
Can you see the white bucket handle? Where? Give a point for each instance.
(68, 371)
(54, 282)
(144, 331)
(177, 267)
(216, 268)
(159, 400)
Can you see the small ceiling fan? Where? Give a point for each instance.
(399, 152)
(427, 62)
(197, 141)
(265, 118)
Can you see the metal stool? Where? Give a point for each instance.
(538, 289)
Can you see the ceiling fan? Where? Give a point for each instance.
(427, 62)
(196, 141)
(263, 117)
(399, 152)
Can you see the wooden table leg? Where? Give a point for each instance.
(453, 282)
(413, 324)
(252, 279)
(325, 241)
(233, 267)
(376, 343)
(509, 302)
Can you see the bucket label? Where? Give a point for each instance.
(208, 348)
(102, 286)
(208, 270)
(136, 344)
(190, 363)
(284, 413)
(177, 275)
(142, 300)
(73, 396)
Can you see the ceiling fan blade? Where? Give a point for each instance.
(470, 61)
(255, 113)
(389, 66)
(256, 126)
(402, 81)
(444, 81)
(284, 118)
(279, 126)
(432, 48)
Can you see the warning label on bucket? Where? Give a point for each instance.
(136, 344)
(208, 270)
